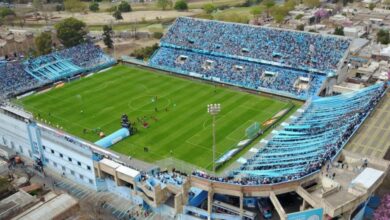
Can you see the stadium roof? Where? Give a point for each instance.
(368, 177)
(128, 171)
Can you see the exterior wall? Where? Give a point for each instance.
(14, 135)
(61, 156)
(76, 166)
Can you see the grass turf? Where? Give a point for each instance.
(183, 126)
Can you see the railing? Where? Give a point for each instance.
(261, 89)
(170, 163)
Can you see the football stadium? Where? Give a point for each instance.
(224, 121)
(160, 108)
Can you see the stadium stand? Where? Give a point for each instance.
(87, 56)
(164, 177)
(13, 79)
(307, 144)
(256, 76)
(279, 46)
(50, 68)
(287, 63)
(17, 77)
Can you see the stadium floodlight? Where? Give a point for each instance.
(213, 110)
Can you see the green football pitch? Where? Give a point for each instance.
(181, 127)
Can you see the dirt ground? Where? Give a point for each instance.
(103, 18)
(125, 47)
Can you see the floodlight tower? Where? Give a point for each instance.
(213, 110)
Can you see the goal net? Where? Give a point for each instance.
(252, 130)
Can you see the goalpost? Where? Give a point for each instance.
(252, 130)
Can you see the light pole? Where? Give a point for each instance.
(213, 110)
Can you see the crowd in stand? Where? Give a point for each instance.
(174, 177)
(241, 73)
(13, 79)
(305, 146)
(164, 177)
(264, 59)
(290, 48)
(17, 76)
(86, 56)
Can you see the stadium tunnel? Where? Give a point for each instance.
(113, 138)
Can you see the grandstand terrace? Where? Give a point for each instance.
(272, 79)
(309, 142)
(284, 62)
(17, 77)
(13, 79)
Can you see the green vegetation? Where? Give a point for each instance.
(256, 11)
(107, 33)
(268, 5)
(164, 4)
(240, 15)
(157, 35)
(209, 8)
(4, 12)
(298, 17)
(383, 36)
(74, 5)
(312, 3)
(183, 126)
(94, 6)
(279, 12)
(117, 15)
(243, 14)
(217, 3)
(124, 7)
(43, 43)
(60, 7)
(371, 6)
(300, 27)
(232, 17)
(181, 5)
(5, 188)
(37, 4)
(144, 53)
(71, 32)
(339, 31)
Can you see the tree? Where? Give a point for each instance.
(164, 4)
(290, 4)
(279, 13)
(60, 7)
(312, 3)
(117, 15)
(371, 6)
(144, 53)
(124, 7)
(298, 17)
(268, 5)
(339, 31)
(157, 35)
(6, 12)
(383, 36)
(37, 5)
(256, 11)
(43, 43)
(386, 4)
(94, 6)
(71, 32)
(107, 33)
(74, 5)
(209, 8)
(181, 5)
